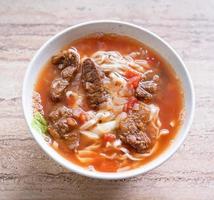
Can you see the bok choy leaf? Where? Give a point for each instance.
(39, 123)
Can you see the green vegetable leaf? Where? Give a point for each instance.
(39, 123)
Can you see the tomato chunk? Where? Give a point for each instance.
(82, 118)
(130, 73)
(133, 78)
(133, 82)
(108, 137)
(129, 105)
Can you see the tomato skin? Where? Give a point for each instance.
(133, 78)
(133, 82)
(108, 137)
(82, 118)
(129, 105)
(130, 73)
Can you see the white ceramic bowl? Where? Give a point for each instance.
(150, 39)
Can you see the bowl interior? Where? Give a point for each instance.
(153, 41)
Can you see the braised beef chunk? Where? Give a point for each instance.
(55, 135)
(93, 84)
(68, 72)
(57, 89)
(59, 118)
(72, 139)
(62, 125)
(134, 130)
(66, 58)
(68, 61)
(147, 87)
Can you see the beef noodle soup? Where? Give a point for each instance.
(108, 103)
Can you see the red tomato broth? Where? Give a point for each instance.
(169, 97)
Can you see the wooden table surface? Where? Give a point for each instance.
(26, 172)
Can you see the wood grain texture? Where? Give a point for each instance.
(27, 173)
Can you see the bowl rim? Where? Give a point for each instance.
(113, 175)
